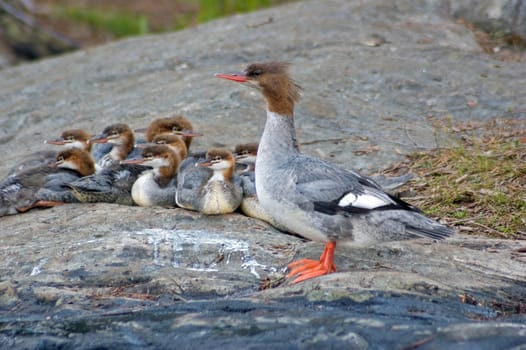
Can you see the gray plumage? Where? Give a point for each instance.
(109, 185)
(312, 197)
(214, 192)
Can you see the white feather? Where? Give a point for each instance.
(347, 200)
(367, 200)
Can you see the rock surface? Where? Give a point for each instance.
(101, 275)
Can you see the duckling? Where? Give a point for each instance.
(121, 137)
(45, 185)
(176, 124)
(156, 187)
(175, 143)
(73, 138)
(109, 185)
(113, 181)
(221, 193)
(245, 155)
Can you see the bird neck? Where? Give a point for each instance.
(120, 151)
(84, 167)
(88, 167)
(164, 174)
(165, 171)
(278, 141)
(222, 175)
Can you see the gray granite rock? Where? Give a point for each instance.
(377, 75)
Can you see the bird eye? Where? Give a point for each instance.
(217, 159)
(176, 128)
(256, 72)
(60, 159)
(70, 138)
(245, 152)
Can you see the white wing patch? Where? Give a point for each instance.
(365, 200)
(368, 201)
(347, 200)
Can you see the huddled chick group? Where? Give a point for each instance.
(113, 168)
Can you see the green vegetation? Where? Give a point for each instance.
(479, 186)
(212, 9)
(118, 24)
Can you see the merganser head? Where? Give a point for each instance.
(176, 124)
(246, 153)
(121, 136)
(219, 160)
(117, 134)
(74, 138)
(158, 157)
(274, 81)
(175, 142)
(76, 159)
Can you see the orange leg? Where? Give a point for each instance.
(308, 268)
(39, 204)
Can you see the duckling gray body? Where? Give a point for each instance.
(216, 192)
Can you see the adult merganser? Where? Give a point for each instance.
(45, 185)
(220, 194)
(314, 198)
(176, 124)
(156, 187)
(246, 155)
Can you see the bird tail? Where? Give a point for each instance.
(433, 230)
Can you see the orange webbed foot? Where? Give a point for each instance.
(47, 204)
(38, 204)
(307, 268)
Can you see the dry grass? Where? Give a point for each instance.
(480, 186)
(501, 45)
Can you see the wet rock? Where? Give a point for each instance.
(85, 276)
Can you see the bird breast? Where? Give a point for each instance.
(219, 198)
(143, 189)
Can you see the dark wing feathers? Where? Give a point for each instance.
(331, 190)
(325, 186)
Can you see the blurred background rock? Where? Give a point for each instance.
(32, 29)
